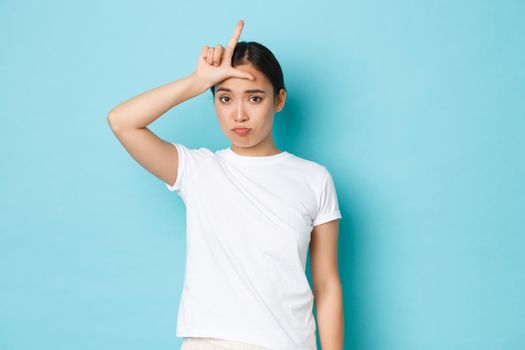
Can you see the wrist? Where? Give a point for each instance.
(198, 82)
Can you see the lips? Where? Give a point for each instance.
(241, 131)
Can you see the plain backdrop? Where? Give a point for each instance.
(416, 107)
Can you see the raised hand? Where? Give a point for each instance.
(214, 64)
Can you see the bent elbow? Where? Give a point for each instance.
(113, 121)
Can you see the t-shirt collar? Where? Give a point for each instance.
(229, 154)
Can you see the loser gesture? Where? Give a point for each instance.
(214, 64)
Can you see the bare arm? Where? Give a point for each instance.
(129, 120)
(142, 110)
(328, 292)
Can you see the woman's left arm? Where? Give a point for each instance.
(328, 292)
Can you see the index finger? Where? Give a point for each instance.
(236, 34)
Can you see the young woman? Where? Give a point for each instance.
(252, 210)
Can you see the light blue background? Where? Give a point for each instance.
(416, 107)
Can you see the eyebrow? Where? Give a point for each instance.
(245, 91)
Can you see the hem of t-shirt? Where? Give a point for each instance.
(222, 335)
(250, 339)
(180, 168)
(173, 187)
(327, 217)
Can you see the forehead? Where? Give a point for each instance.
(241, 84)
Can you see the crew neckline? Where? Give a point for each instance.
(229, 154)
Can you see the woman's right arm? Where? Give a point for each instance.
(129, 120)
(142, 110)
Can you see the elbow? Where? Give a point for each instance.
(328, 286)
(113, 121)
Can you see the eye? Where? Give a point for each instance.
(257, 97)
(220, 98)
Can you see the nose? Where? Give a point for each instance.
(240, 115)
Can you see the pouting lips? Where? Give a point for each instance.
(241, 131)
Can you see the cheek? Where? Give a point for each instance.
(222, 121)
(220, 112)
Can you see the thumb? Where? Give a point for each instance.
(240, 74)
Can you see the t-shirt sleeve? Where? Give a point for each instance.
(327, 203)
(191, 161)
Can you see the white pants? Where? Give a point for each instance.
(203, 343)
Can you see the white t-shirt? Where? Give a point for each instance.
(248, 222)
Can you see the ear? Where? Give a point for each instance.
(280, 100)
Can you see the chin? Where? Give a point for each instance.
(242, 144)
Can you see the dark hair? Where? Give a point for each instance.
(262, 59)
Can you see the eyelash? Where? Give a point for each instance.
(259, 98)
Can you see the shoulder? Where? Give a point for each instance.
(312, 174)
(194, 150)
(193, 154)
(309, 167)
